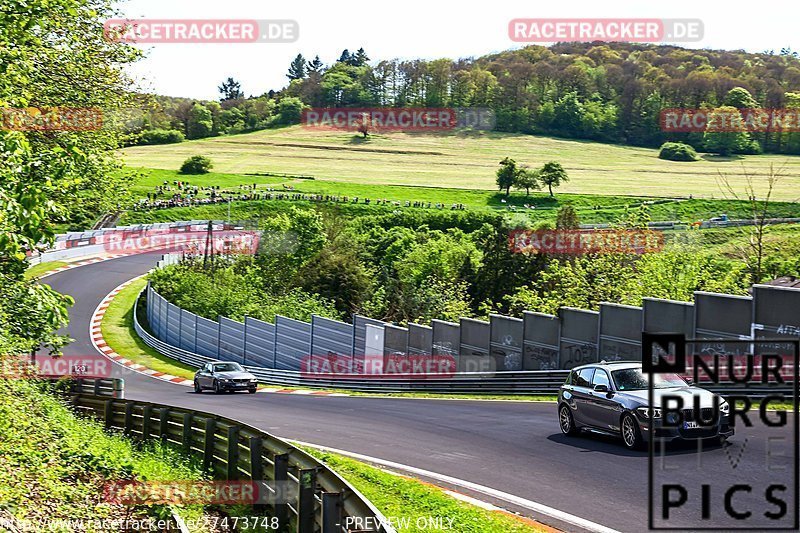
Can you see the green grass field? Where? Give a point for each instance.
(463, 161)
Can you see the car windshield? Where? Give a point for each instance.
(635, 379)
(228, 367)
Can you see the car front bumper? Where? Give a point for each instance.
(237, 386)
(666, 433)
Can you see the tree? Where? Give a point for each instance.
(297, 68)
(526, 178)
(230, 90)
(290, 110)
(567, 218)
(315, 66)
(673, 151)
(552, 174)
(759, 199)
(740, 98)
(359, 59)
(725, 131)
(507, 174)
(197, 164)
(345, 57)
(201, 122)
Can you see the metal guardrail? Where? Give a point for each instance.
(523, 382)
(108, 387)
(319, 500)
(526, 382)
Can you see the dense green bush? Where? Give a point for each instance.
(197, 164)
(161, 137)
(677, 152)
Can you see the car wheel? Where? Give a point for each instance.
(566, 422)
(252, 391)
(197, 388)
(631, 435)
(217, 388)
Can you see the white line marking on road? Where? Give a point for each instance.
(494, 493)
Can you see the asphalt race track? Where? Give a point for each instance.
(513, 447)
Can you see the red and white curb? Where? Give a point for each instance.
(101, 346)
(96, 335)
(81, 263)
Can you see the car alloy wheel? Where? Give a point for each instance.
(565, 421)
(217, 388)
(630, 433)
(197, 388)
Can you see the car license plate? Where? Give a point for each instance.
(691, 425)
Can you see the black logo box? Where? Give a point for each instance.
(674, 347)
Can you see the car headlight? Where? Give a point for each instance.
(645, 412)
(254, 380)
(724, 407)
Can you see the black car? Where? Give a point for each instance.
(224, 376)
(612, 398)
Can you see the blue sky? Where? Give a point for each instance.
(412, 29)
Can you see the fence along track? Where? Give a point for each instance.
(322, 499)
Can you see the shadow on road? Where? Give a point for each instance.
(597, 442)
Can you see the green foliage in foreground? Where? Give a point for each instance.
(409, 503)
(53, 464)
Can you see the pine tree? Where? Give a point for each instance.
(315, 66)
(359, 59)
(345, 57)
(230, 90)
(297, 69)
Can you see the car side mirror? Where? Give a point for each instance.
(601, 388)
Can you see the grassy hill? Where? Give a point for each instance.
(463, 160)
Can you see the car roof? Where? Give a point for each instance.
(611, 365)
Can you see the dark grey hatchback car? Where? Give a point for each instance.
(612, 398)
(224, 376)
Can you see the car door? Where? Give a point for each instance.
(581, 392)
(205, 375)
(604, 408)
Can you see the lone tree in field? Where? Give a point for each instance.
(759, 198)
(363, 124)
(507, 174)
(527, 178)
(552, 174)
(230, 90)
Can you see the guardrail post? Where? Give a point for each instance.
(96, 387)
(163, 423)
(119, 388)
(147, 413)
(208, 447)
(108, 413)
(281, 477)
(186, 438)
(331, 512)
(256, 446)
(305, 500)
(233, 452)
(128, 418)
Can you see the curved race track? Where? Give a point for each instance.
(513, 447)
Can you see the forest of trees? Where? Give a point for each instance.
(612, 92)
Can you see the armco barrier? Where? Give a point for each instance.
(506, 346)
(319, 500)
